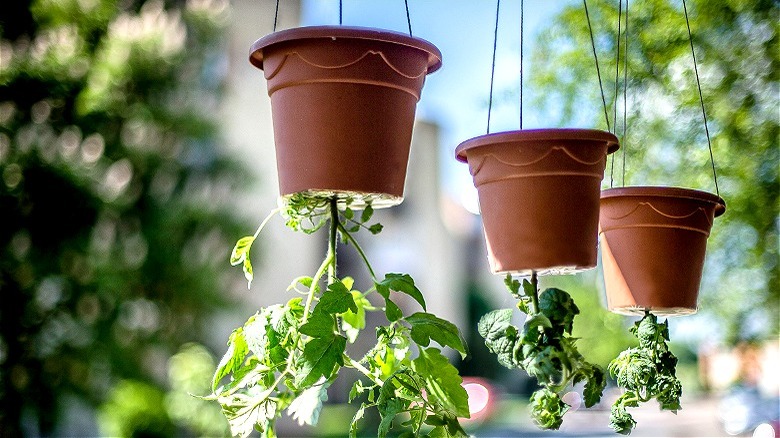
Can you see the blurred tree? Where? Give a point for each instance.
(737, 52)
(113, 198)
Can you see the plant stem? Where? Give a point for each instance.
(535, 296)
(265, 221)
(348, 361)
(332, 239)
(360, 251)
(314, 283)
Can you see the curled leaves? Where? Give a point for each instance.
(232, 359)
(547, 409)
(543, 348)
(646, 372)
(240, 255)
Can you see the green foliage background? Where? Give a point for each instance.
(736, 45)
(114, 228)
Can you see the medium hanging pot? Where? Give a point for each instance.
(539, 196)
(653, 241)
(343, 102)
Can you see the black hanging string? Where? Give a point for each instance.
(598, 70)
(408, 18)
(276, 15)
(521, 62)
(701, 99)
(625, 99)
(617, 64)
(493, 67)
(341, 10)
(614, 102)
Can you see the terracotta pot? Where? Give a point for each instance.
(343, 101)
(653, 241)
(539, 196)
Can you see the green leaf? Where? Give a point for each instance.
(493, 325)
(367, 213)
(353, 425)
(400, 283)
(240, 254)
(241, 250)
(320, 357)
(426, 326)
(392, 311)
(337, 299)
(559, 307)
(245, 412)
(547, 409)
(620, 420)
(232, 359)
(375, 229)
(349, 213)
(319, 325)
(594, 387)
(353, 322)
(304, 281)
(305, 409)
(388, 409)
(442, 381)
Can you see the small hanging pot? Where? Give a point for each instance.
(539, 196)
(653, 241)
(343, 102)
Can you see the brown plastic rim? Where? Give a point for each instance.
(334, 32)
(537, 135)
(668, 192)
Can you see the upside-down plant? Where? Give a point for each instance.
(646, 372)
(287, 355)
(543, 347)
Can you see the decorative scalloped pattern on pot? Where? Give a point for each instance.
(653, 243)
(343, 102)
(539, 196)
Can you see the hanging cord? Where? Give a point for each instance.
(276, 15)
(614, 102)
(493, 68)
(522, 2)
(625, 99)
(617, 65)
(341, 12)
(408, 18)
(701, 99)
(598, 70)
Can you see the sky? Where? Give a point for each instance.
(456, 96)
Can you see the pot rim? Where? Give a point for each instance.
(532, 135)
(351, 32)
(667, 192)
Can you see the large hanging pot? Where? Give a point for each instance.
(343, 102)
(539, 196)
(653, 241)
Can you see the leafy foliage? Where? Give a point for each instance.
(108, 174)
(543, 348)
(738, 63)
(286, 356)
(646, 372)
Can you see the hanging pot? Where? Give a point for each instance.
(653, 241)
(343, 102)
(539, 196)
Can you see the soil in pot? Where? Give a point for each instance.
(653, 242)
(539, 196)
